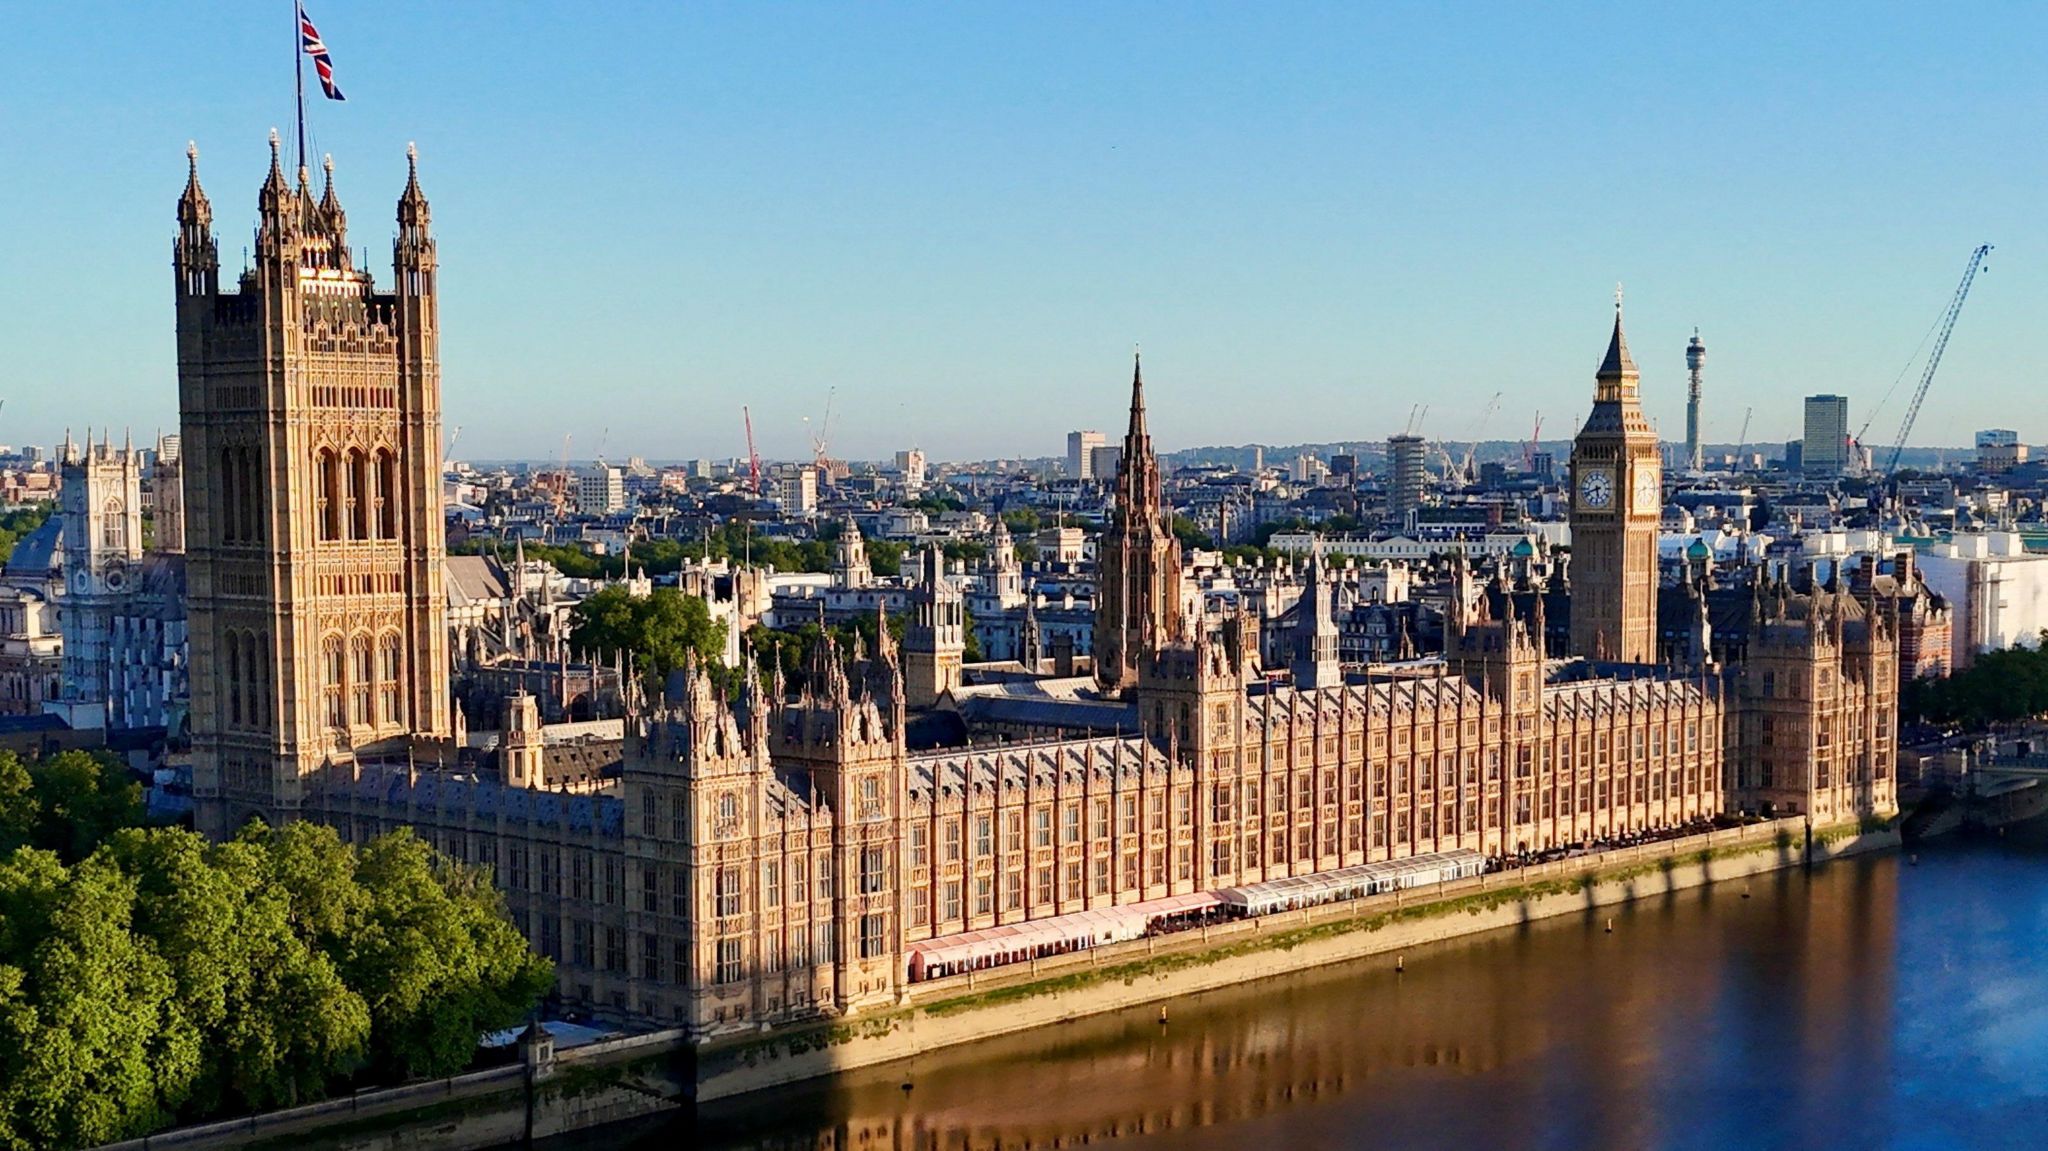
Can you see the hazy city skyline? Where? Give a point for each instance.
(962, 221)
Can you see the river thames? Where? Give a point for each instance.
(1873, 1003)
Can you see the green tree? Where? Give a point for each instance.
(659, 629)
(19, 812)
(80, 798)
(270, 1003)
(90, 1045)
(440, 962)
(965, 551)
(164, 978)
(885, 557)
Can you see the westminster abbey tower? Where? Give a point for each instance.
(310, 403)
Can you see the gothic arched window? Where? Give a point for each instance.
(330, 495)
(334, 670)
(259, 678)
(362, 677)
(252, 494)
(358, 494)
(390, 678)
(113, 527)
(387, 495)
(230, 497)
(232, 640)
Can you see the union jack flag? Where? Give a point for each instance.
(312, 45)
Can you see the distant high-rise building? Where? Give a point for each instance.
(1824, 449)
(1080, 454)
(1343, 465)
(1543, 465)
(1104, 460)
(1405, 476)
(1695, 365)
(600, 491)
(910, 464)
(1999, 450)
(796, 491)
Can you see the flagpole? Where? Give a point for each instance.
(299, 77)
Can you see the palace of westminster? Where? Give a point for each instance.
(794, 851)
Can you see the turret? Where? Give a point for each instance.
(935, 643)
(330, 221)
(412, 252)
(277, 215)
(1315, 660)
(194, 254)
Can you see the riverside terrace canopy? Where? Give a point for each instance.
(1352, 882)
(1074, 931)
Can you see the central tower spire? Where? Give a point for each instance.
(1137, 600)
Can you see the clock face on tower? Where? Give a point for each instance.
(1596, 488)
(1649, 491)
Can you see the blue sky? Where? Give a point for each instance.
(963, 216)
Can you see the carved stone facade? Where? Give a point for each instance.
(1138, 592)
(1616, 498)
(122, 607)
(101, 506)
(935, 641)
(310, 413)
(782, 856)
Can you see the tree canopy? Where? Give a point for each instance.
(658, 630)
(66, 804)
(734, 540)
(2002, 686)
(158, 978)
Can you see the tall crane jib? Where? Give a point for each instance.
(1948, 324)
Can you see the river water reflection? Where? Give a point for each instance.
(1872, 1004)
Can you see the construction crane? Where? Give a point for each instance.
(561, 487)
(1452, 474)
(823, 436)
(753, 457)
(1529, 449)
(1465, 474)
(447, 453)
(1416, 415)
(1948, 325)
(1742, 437)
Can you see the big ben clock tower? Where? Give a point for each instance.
(1617, 494)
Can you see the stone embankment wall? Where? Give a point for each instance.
(979, 1005)
(630, 1078)
(584, 1087)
